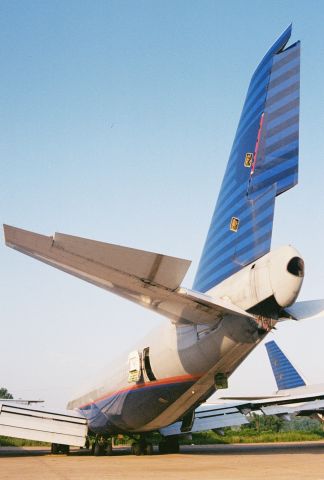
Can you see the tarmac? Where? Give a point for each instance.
(222, 462)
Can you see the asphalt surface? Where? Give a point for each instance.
(245, 462)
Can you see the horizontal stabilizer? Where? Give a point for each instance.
(149, 279)
(304, 310)
(92, 260)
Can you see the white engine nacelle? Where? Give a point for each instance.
(277, 275)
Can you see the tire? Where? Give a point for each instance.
(136, 449)
(148, 449)
(162, 447)
(173, 445)
(54, 448)
(97, 451)
(169, 445)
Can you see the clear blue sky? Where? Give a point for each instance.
(116, 121)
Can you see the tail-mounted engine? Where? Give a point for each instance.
(267, 285)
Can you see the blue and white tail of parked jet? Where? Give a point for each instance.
(241, 289)
(263, 163)
(285, 374)
(295, 395)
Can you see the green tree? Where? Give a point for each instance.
(4, 393)
(265, 423)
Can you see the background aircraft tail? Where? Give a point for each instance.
(285, 374)
(263, 164)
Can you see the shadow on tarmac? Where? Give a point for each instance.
(254, 449)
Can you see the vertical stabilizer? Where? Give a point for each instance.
(263, 164)
(285, 374)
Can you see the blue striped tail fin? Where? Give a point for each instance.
(263, 164)
(285, 374)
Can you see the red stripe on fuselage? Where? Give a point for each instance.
(163, 381)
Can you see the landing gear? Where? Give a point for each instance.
(137, 449)
(148, 449)
(98, 449)
(109, 450)
(169, 445)
(101, 446)
(142, 447)
(57, 448)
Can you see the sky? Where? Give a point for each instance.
(116, 120)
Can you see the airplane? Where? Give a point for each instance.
(241, 291)
(294, 394)
(304, 399)
(20, 401)
(293, 397)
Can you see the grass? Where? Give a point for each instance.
(255, 437)
(20, 442)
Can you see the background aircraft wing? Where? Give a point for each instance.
(149, 279)
(208, 416)
(229, 414)
(20, 401)
(294, 396)
(65, 428)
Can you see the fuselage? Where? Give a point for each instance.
(179, 356)
(142, 397)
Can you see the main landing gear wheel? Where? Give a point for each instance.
(109, 450)
(149, 449)
(98, 449)
(169, 445)
(136, 449)
(57, 448)
(102, 446)
(54, 448)
(142, 448)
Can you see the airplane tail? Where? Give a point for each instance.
(263, 164)
(285, 373)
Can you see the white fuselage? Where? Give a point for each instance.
(184, 357)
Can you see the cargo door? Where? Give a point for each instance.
(134, 367)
